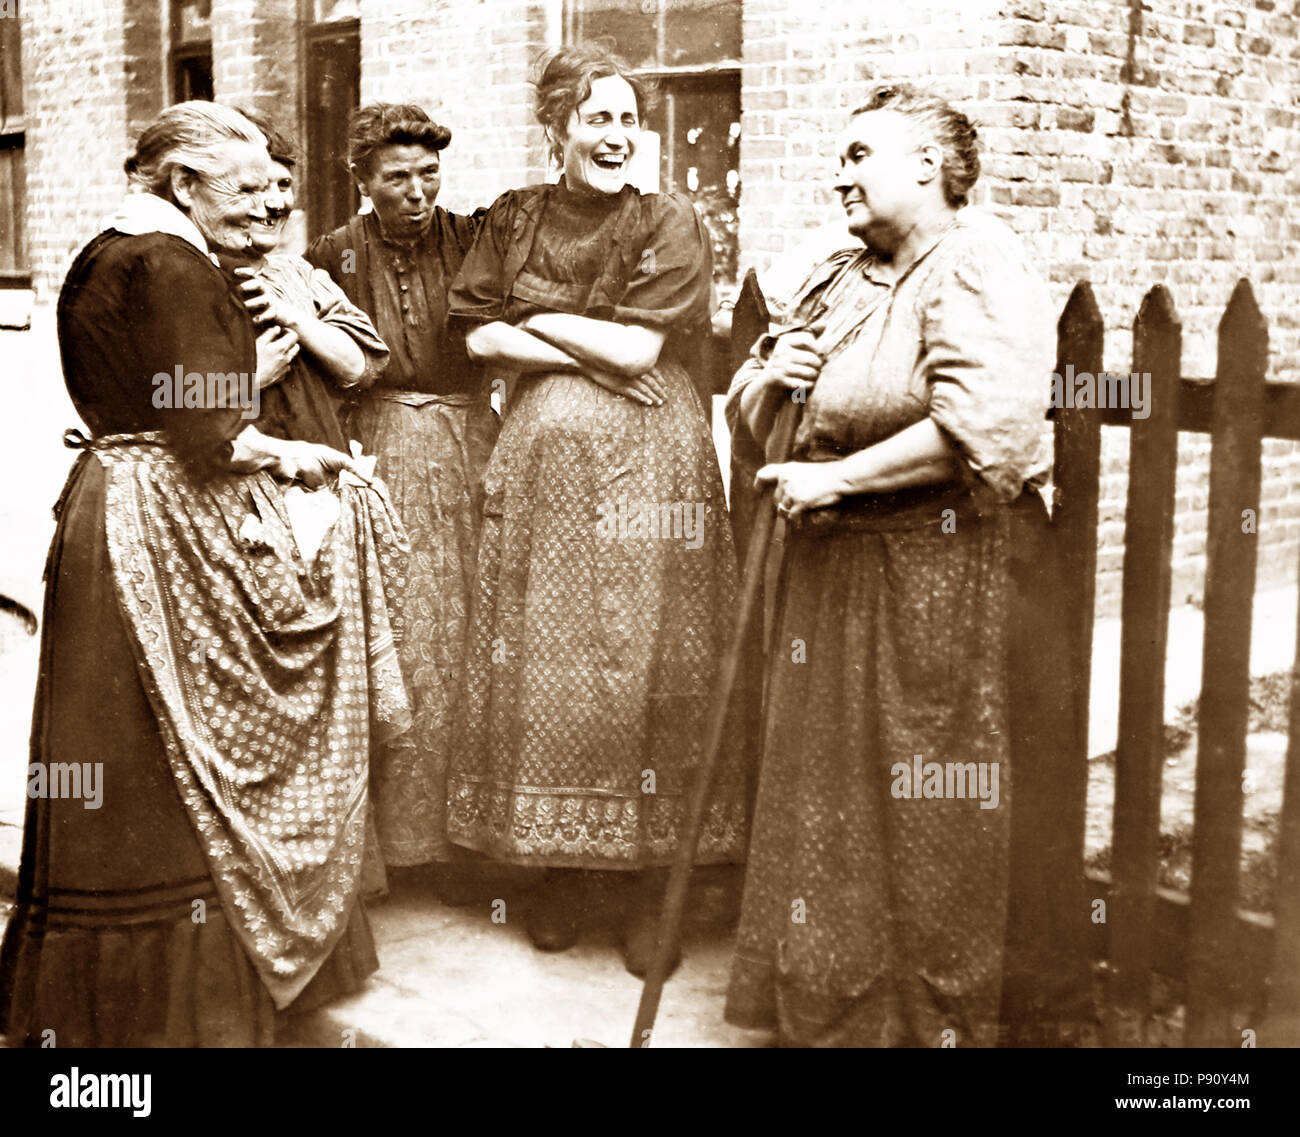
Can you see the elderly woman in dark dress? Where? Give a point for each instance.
(428, 419)
(876, 891)
(607, 573)
(217, 686)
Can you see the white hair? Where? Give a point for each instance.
(189, 135)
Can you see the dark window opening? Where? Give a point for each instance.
(692, 48)
(333, 90)
(15, 269)
(192, 76)
(191, 50)
(698, 119)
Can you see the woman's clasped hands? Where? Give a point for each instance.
(647, 389)
(277, 341)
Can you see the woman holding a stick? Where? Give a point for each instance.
(876, 891)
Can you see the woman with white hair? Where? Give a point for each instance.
(199, 873)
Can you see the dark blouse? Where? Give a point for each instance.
(134, 307)
(403, 289)
(630, 257)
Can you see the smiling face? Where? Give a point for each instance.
(402, 183)
(601, 136)
(882, 175)
(269, 231)
(228, 204)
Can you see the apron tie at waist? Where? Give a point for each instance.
(74, 439)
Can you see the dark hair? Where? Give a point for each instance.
(564, 79)
(279, 145)
(186, 135)
(390, 124)
(952, 130)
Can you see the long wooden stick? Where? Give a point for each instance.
(779, 444)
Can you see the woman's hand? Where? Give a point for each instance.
(328, 346)
(264, 307)
(789, 372)
(801, 486)
(277, 348)
(794, 363)
(647, 389)
(312, 463)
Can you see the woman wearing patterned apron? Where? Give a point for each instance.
(212, 680)
(607, 576)
(429, 421)
(876, 889)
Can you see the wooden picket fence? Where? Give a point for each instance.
(1239, 971)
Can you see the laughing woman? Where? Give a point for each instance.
(317, 352)
(223, 683)
(596, 635)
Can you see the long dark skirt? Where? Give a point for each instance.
(874, 912)
(119, 938)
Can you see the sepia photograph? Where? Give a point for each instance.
(672, 524)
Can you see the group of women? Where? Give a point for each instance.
(315, 668)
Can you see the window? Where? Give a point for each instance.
(191, 54)
(654, 34)
(14, 268)
(332, 90)
(692, 47)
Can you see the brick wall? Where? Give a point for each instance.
(468, 64)
(1128, 143)
(74, 62)
(806, 64)
(255, 55)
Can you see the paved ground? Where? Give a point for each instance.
(451, 977)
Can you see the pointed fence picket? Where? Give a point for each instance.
(1239, 971)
